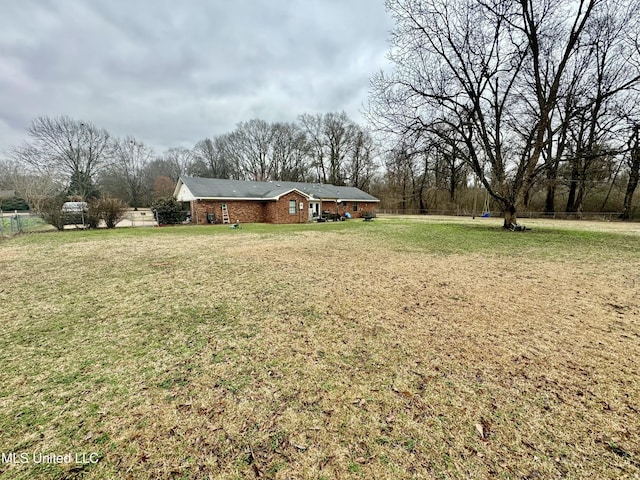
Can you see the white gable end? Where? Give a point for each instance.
(184, 194)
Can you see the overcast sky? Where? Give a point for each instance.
(171, 73)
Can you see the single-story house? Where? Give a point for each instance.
(269, 202)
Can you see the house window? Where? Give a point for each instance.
(355, 206)
(344, 204)
(293, 207)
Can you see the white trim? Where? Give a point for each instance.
(231, 199)
(263, 199)
(183, 194)
(293, 190)
(177, 189)
(257, 199)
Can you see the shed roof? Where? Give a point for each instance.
(218, 188)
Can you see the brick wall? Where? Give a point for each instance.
(362, 207)
(252, 211)
(247, 211)
(278, 212)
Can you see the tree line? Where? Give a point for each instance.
(534, 104)
(521, 97)
(83, 161)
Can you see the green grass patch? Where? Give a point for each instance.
(444, 238)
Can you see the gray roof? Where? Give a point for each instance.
(7, 193)
(223, 188)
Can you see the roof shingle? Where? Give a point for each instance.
(242, 189)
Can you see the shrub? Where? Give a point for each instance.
(92, 218)
(111, 210)
(50, 210)
(168, 211)
(15, 203)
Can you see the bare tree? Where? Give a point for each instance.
(634, 173)
(131, 158)
(257, 150)
(494, 71)
(339, 131)
(451, 170)
(407, 176)
(313, 126)
(210, 161)
(290, 152)
(605, 82)
(332, 138)
(35, 188)
(5, 173)
(252, 141)
(361, 166)
(75, 152)
(179, 160)
(230, 154)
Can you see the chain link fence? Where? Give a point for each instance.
(462, 212)
(13, 223)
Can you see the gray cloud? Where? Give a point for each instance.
(171, 73)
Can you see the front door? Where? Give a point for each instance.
(314, 210)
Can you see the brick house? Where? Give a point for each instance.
(268, 202)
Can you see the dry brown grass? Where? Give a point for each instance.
(251, 356)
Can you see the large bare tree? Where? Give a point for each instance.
(494, 72)
(290, 152)
(210, 161)
(253, 141)
(179, 161)
(342, 151)
(360, 167)
(131, 158)
(71, 151)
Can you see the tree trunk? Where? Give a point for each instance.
(510, 218)
(550, 200)
(573, 186)
(634, 179)
(582, 187)
(422, 209)
(452, 187)
(628, 197)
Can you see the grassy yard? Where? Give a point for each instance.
(399, 348)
